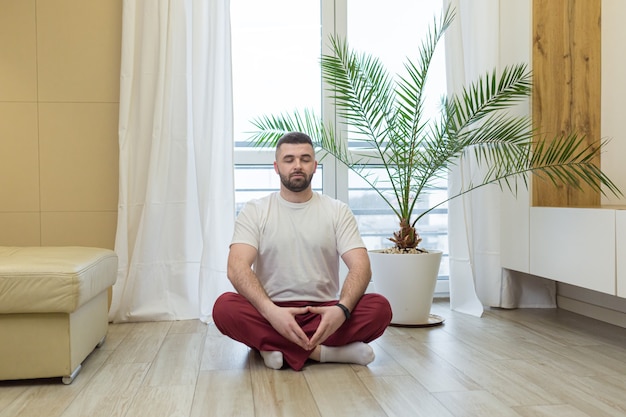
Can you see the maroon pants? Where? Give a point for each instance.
(235, 317)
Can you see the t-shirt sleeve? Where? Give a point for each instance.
(247, 226)
(348, 236)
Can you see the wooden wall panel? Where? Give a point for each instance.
(566, 84)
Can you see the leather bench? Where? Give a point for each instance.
(53, 309)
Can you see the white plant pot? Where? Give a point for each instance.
(408, 282)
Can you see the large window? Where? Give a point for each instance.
(276, 50)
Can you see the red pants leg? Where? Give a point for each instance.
(368, 321)
(235, 317)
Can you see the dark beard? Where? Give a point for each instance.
(296, 185)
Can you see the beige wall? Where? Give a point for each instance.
(59, 100)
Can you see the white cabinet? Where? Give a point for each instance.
(576, 246)
(585, 247)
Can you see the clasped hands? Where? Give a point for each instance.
(283, 320)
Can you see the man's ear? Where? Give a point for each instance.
(276, 167)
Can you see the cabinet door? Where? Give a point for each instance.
(575, 246)
(620, 251)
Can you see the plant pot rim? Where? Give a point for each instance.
(428, 251)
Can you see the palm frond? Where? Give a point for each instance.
(361, 87)
(491, 92)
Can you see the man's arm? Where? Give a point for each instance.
(358, 278)
(240, 260)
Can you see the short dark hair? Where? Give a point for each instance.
(294, 137)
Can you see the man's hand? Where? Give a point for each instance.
(332, 318)
(240, 259)
(283, 321)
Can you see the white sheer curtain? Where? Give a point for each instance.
(477, 43)
(176, 198)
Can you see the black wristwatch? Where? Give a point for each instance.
(346, 312)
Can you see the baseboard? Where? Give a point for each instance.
(617, 318)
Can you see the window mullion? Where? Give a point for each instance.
(334, 22)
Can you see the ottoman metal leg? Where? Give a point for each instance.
(101, 342)
(68, 379)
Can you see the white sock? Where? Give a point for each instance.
(272, 358)
(358, 352)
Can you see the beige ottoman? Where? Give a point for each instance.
(53, 309)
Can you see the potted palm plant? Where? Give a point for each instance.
(385, 120)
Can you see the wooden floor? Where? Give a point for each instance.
(507, 363)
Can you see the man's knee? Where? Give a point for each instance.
(379, 306)
(223, 308)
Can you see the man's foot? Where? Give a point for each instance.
(272, 359)
(358, 352)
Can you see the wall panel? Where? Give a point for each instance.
(59, 100)
(566, 84)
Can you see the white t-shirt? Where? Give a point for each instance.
(299, 244)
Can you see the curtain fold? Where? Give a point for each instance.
(473, 47)
(176, 189)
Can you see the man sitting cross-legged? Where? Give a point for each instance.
(284, 264)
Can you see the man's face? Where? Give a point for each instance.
(295, 164)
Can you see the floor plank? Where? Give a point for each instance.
(560, 410)
(178, 360)
(281, 393)
(223, 393)
(162, 401)
(141, 344)
(338, 391)
(426, 366)
(474, 404)
(404, 396)
(110, 393)
(223, 353)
